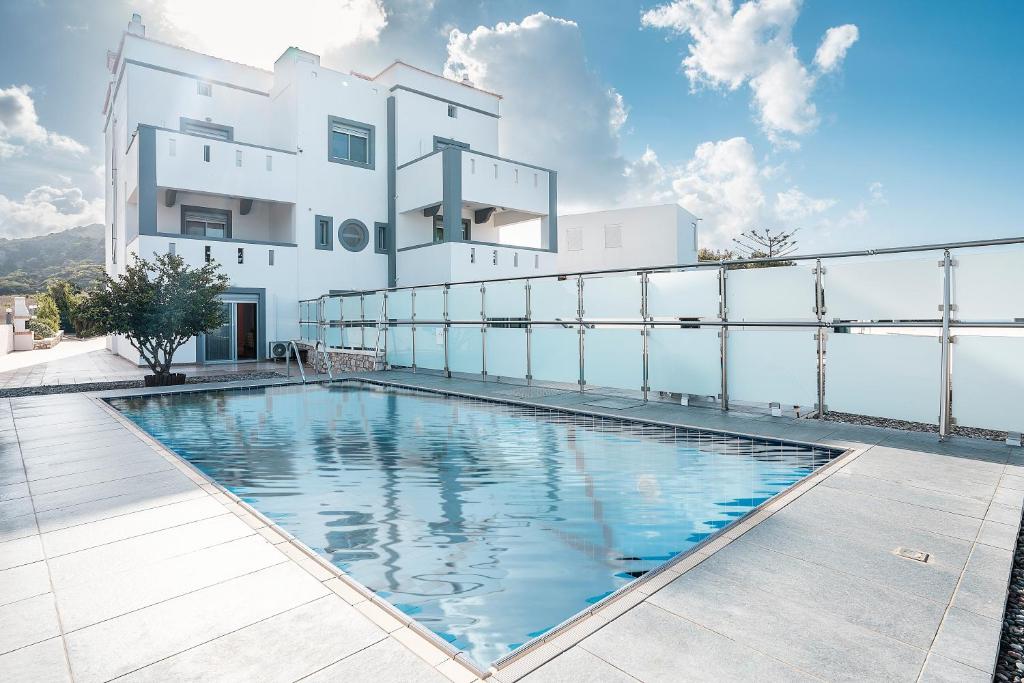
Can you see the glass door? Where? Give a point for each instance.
(245, 331)
(218, 341)
(236, 339)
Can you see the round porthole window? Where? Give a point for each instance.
(353, 235)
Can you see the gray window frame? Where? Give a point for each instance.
(371, 146)
(381, 247)
(226, 213)
(365, 235)
(184, 122)
(329, 246)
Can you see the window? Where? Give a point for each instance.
(380, 243)
(472, 166)
(201, 222)
(349, 142)
(439, 229)
(206, 152)
(453, 111)
(515, 260)
(238, 158)
(472, 254)
(324, 226)
(353, 235)
(574, 239)
(536, 260)
(207, 129)
(494, 257)
(241, 255)
(270, 163)
(207, 255)
(535, 180)
(113, 250)
(171, 248)
(612, 236)
(204, 89)
(495, 171)
(270, 257)
(172, 147)
(515, 176)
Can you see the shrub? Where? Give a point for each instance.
(46, 311)
(40, 330)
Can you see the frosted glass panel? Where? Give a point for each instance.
(766, 366)
(505, 299)
(883, 375)
(553, 299)
(400, 305)
(465, 352)
(373, 307)
(988, 382)
(780, 293)
(352, 337)
(615, 297)
(554, 354)
(399, 346)
(684, 361)
(989, 286)
(883, 290)
(614, 358)
(332, 308)
(464, 302)
(506, 351)
(430, 347)
(430, 304)
(683, 294)
(350, 308)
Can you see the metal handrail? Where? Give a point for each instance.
(320, 344)
(298, 361)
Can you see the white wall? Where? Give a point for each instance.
(494, 182)
(418, 119)
(419, 184)
(6, 339)
(461, 261)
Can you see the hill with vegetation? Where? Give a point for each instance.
(75, 255)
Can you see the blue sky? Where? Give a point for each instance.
(914, 135)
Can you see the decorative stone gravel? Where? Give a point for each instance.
(131, 384)
(905, 425)
(1010, 665)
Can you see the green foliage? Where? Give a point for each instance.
(75, 255)
(158, 305)
(62, 292)
(46, 311)
(40, 330)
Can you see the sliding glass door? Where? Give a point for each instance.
(235, 340)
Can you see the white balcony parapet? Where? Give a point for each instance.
(463, 261)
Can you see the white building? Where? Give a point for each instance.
(304, 180)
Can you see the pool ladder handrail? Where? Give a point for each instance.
(322, 346)
(381, 324)
(298, 361)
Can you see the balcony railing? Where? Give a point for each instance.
(878, 325)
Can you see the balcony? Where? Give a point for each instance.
(466, 261)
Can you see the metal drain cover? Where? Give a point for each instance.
(911, 554)
(614, 403)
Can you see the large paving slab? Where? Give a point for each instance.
(119, 560)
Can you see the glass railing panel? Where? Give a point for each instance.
(399, 346)
(505, 299)
(400, 304)
(989, 286)
(429, 304)
(612, 297)
(614, 357)
(988, 382)
(684, 361)
(332, 308)
(906, 289)
(332, 336)
(777, 293)
(351, 308)
(554, 299)
(555, 354)
(766, 366)
(506, 351)
(683, 294)
(430, 347)
(373, 305)
(465, 350)
(884, 375)
(464, 302)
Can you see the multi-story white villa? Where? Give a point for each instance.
(304, 180)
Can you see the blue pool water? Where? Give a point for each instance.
(488, 523)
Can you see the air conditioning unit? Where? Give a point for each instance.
(278, 349)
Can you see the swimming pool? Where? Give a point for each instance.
(488, 523)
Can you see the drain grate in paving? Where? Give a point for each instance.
(615, 403)
(529, 392)
(911, 554)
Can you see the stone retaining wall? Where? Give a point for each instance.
(348, 360)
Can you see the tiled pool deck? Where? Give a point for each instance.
(119, 560)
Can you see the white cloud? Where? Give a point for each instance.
(20, 127)
(753, 46)
(794, 205)
(256, 32)
(834, 45)
(877, 193)
(47, 209)
(557, 112)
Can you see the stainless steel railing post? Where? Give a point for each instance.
(444, 330)
(529, 336)
(819, 312)
(944, 399)
(483, 331)
(412, 306)
(723, 334)
(582, 332)
(645, 331)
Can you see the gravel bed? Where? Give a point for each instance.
(131, 384)
(905, 425)
(1010, 665)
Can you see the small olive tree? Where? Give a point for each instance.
(158, 306)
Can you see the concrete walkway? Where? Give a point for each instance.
(117, 559)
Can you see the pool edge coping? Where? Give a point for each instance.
(569, 633)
